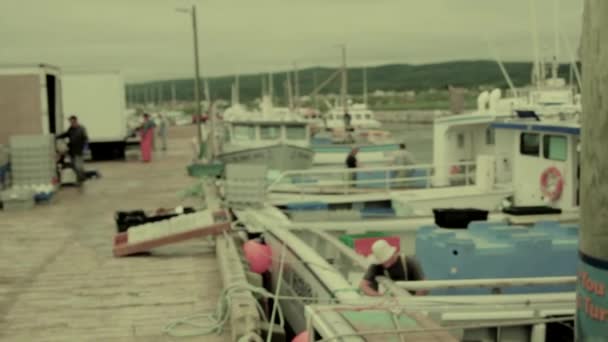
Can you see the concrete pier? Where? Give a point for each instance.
(60, 282)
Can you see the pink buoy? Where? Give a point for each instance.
(258, 255)
(302, 337)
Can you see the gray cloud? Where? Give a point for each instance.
(149, 39)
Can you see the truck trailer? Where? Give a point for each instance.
(98, 100)
(30, 100)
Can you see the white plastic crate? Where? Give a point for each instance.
(32, 159)
(33, 141)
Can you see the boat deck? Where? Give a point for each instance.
(60, 282)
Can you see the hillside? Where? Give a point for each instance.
(398, 77)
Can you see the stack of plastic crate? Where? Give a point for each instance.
(17, 198)
(245, 185)
(33, 160)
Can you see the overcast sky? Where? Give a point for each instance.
(148, 39)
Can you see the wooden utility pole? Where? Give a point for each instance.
(592, 300)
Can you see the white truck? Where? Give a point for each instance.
(30, 100)
(98, 100)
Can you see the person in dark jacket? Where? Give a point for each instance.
(78, 137)
(352, 163)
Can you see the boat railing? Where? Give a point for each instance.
(369, 179)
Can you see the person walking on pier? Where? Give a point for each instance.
(78, 137)
(386, 261)
(162, 130)
(403, 158)
(146, 132)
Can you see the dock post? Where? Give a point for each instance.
(592, 302)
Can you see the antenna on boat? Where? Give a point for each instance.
(505, 74)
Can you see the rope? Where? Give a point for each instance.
(278, 291)
(213, 323)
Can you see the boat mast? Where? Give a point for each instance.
(555, 69)
(296, 80)
(288, 91)
(365, 86)
(237, 89)
(537, 64)
(344, 90)
(270, 87)
(315, 98)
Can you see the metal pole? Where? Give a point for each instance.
(592, 301)
(197, 87)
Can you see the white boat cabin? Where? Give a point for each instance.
(547, 159)
(246, 134)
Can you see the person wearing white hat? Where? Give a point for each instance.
(386, 261)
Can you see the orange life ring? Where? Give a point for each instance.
(552, 183)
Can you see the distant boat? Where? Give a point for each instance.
(361, 117)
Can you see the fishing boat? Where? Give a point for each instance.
(306, 230)
(279, 141)
(318, 275)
